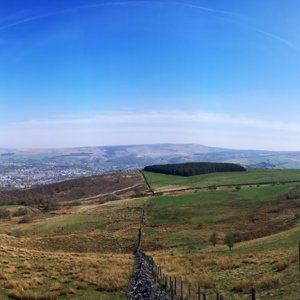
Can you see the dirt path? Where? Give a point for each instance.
(143, 287)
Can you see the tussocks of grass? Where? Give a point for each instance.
(281, 265)
(3, 275)
(225, 263)
(268, 282)
(243, 285)
(23, 284)
(230, 274)
(204, 281)
(27, 295)
(111, 276)
(63, 273)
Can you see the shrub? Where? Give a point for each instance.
(212, 187)
(25, 219)
(237, 237)
(109, 197)
(231, 238)
(213, 239)
(50, 206)
(4, 214)
(20, 212)
(293, 194)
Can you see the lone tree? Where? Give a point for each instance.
(213, 239)
(230, 240)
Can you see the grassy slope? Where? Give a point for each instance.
(249, 177)
(122, 184)
(85, 252)
(179, 228)
(82, 252)
(216, 211)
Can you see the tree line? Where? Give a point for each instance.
(194, 168)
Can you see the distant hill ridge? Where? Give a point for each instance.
(27, 167)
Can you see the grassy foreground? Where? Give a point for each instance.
(84, 251)
(179, 228)
(77, 252)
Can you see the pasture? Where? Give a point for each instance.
(76, 252)
(84, 249)
(179, 229)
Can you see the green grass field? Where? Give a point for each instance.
(86, 251)
(233, 210)
(179, 227)
(251, 176)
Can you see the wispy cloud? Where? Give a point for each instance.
(277, 38)
(171, 117)
(16, 20)
(22, 21)
(229, 131)
(229, 16)
(11, 17)
(157, 3)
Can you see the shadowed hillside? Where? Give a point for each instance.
(105, 187)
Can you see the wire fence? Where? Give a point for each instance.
(176, 287)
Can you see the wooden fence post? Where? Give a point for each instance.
(299, 257)
(218, 296)
(204, 296)
(166, 283)
(199, 295)
(175, 286)
(181, 289)
(253, 292)
(172, 291)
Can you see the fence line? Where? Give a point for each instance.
(178, 289)
(170, 284)
(182, 291)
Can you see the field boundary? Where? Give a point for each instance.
(147, 182)
(175, 287)
(143, 283)
(215, 187)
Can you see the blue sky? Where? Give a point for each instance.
(80, 73)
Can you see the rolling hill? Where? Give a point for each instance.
(26, 167)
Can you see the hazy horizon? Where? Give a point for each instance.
(216, 73)
(137, 145)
